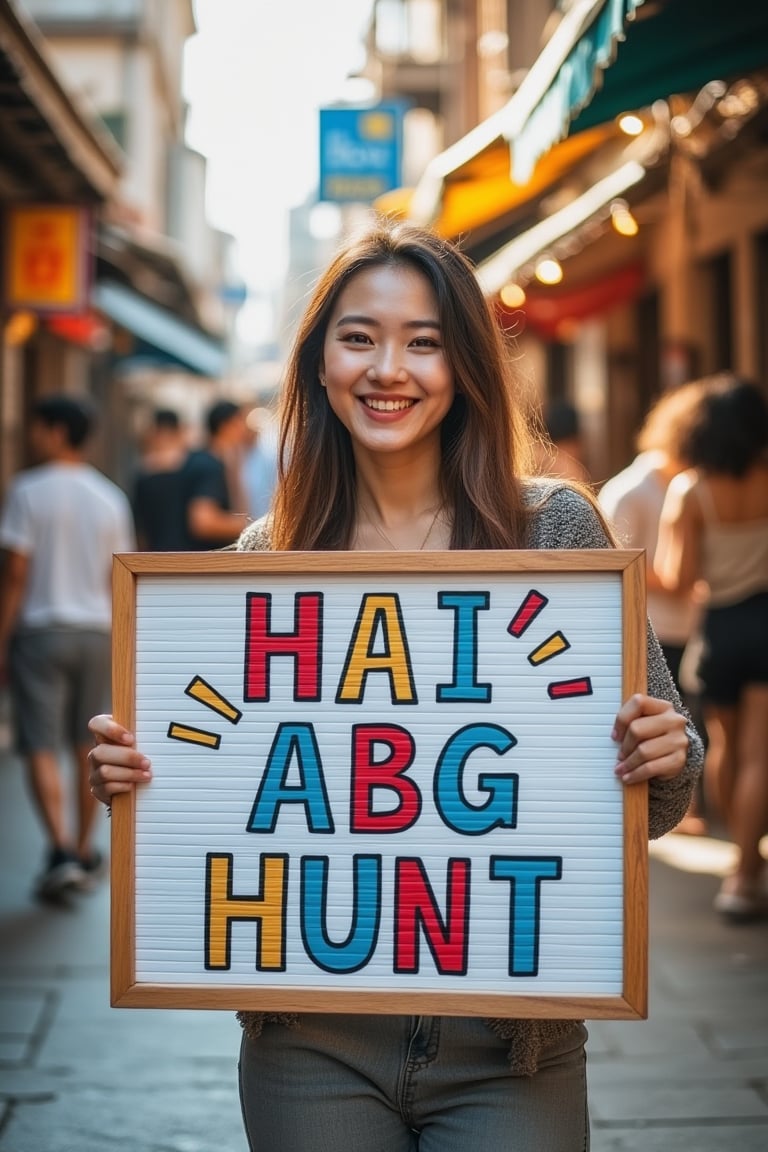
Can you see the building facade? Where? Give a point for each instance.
(154, 328)
(610, 182)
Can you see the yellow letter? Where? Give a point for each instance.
(222, 908)
(375, 611)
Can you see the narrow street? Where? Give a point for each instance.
(79, 1076)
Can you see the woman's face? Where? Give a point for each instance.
(384, 364)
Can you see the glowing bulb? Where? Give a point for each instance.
(623, 221)
(18, 328)
(631, 125)
(549, 271)
(512, 296)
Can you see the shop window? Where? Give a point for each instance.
(557, 371)
(649, 359)
(409, 29)
(717, 312)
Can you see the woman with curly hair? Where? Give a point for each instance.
(714, 533)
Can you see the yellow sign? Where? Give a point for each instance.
(46, 258)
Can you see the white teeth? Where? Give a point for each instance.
(388, 405)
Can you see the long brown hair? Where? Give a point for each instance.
(483, 439)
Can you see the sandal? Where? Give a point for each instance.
(740, 900)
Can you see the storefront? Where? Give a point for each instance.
(57, 170)
(617, 207)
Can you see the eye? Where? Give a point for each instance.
(425, 342)
(355, 338)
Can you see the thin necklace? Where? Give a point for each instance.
(386, 538)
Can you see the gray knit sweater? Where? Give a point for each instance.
(560, 518)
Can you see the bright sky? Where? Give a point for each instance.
(255, 76)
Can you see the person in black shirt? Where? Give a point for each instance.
(215, 508)
(158, 498)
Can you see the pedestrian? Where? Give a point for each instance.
(260, 462)
(60, 525)
(714, 531)
(159, 501)
(215, 502)
(632, 500)
(398, 432)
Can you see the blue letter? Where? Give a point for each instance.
(526, 875)
(290, 739)
(500, 809)
(354, 952)
(464, 686)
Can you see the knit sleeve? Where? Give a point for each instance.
(563, 517)
(254, 537)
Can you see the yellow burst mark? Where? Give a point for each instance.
(200, 690)
(193, 735)
(552, 646)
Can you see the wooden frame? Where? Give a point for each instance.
(626, 568)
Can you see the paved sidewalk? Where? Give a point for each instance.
(78, 1076)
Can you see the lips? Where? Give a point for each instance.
(387, 405)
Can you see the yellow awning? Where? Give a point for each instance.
(481, 190)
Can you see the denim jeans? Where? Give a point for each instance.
(347, 1083)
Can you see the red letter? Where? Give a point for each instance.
(303, 644)
(368, 774)
(415, 902)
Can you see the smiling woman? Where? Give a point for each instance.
(388, 382)
(398, 424)
(384, 328)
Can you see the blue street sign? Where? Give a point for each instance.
(360, 152)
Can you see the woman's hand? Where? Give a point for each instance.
(652, 739)
(116, 766)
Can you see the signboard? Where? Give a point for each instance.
(47, 257)
(382, 782)
(360, 152)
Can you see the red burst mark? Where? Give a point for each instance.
(526, 613)
(560, 689)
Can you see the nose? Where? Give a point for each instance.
(386, 370)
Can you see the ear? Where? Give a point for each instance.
(321, 375)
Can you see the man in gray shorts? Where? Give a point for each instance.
(61, 523)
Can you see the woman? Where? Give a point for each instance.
(633, 501)
(398, 432)
(714, 529)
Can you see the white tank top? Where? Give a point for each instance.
(734, 555)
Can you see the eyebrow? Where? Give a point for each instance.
(353, 319)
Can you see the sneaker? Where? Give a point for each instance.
(63, 872)
(94, 867)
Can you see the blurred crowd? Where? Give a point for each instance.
(695, 498)
(188, 498)
(61, 523)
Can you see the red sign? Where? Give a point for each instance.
(47, 258)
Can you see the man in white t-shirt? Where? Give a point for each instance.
(60, 525)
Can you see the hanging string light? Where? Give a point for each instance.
(622, 219)
(549, 270)
(512, 295)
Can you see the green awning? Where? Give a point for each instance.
(606, 57)
(564, 79)
(679, 46)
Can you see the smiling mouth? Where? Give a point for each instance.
(388, 405)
